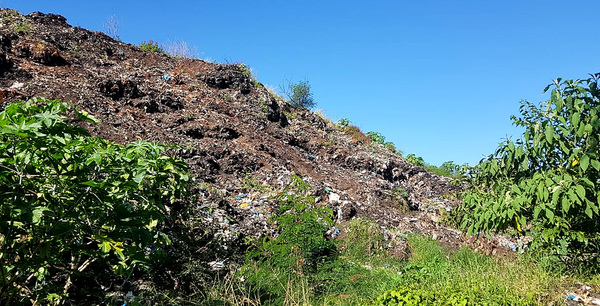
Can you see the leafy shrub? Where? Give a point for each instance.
(412, 295)
(376, 137)
(449, 169)
(301, 244)
(415, 160)
(22, 27)
(547, 179)
(390, 146)
(74, 207)
(299, 95)
(151, 46)
(344, 122)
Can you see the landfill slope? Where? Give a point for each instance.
(242, 142)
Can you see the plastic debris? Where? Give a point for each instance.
(166, 77)
(334, 198)
(216, 265)
(574, 297)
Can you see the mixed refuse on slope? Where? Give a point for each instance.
(242, 141)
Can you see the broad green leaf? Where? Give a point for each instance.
(550, 215)
(119, 253)
(139, 177)
(596, 164)
(105, 247)
(94, 184)
(580, 192)
(588, 211)
(566, 205)
(584, 162)
(38, 213)
(549, 134)
(84, 115)
(536, 211)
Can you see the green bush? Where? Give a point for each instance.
(299, 95)
(301, 245)
(390, 146)
(376, 137)
(415, 160)
(344, 122)
(151, 46)
(548, 179)
(412, 295)
(74, 207)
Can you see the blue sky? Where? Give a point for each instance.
(440, 78)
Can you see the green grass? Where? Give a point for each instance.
(364, 272)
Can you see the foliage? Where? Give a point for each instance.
(74, 206)
(22, 27)
(415, 160)
(366, 269)
(547, 180)
(299, 94)
(412, 295)
(344, 122)
(301, 244)
(151, 46)
(434, 276)
(363, 238)
(390, 146)
(449, 169)
(376, 137)
(298, 252)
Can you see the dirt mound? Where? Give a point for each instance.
(240, 140)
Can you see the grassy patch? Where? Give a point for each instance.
(365, 272)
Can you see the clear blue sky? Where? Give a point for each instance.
(438, 78)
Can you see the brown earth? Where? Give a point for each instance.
(242, 141)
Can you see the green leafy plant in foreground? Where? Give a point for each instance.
(298, 252)
(301, 244)
(546, 183)
(73, 207)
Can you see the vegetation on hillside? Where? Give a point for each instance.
(74, 208)
(546, 184)
(299, 94)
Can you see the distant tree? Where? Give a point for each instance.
(111, 27)
(450, 167)
(181, 48)
(299, 94)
